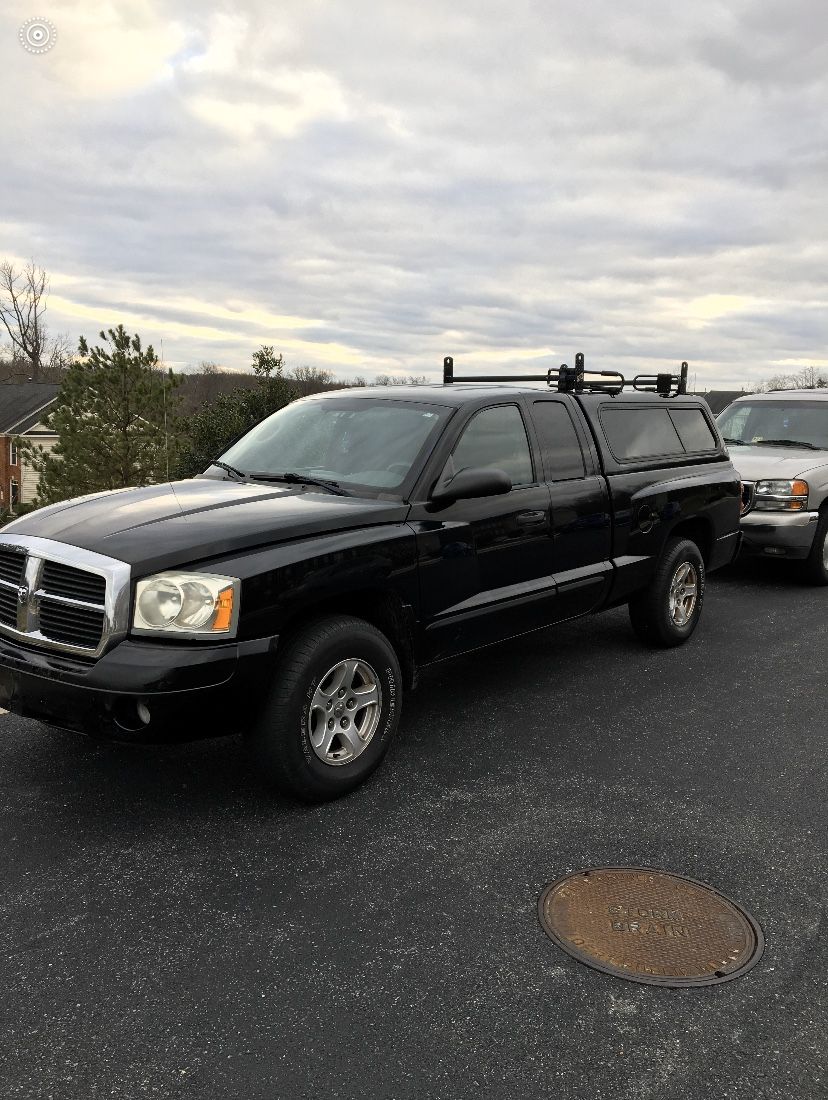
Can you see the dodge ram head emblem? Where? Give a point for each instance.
(23, 594)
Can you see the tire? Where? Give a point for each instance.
(816, 564)
(342, 668)
(658, 616)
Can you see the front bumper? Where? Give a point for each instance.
(188, 692)
(779, 534)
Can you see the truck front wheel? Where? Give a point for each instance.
(668, 611)
(332, 710)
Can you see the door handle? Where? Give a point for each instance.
(530, 519)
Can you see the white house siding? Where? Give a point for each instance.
(29, 478)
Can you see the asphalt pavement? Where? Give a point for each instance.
(170, 929)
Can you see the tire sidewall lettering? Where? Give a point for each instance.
(304, 711)
(391, 695)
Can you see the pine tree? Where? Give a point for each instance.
(211, 431)
(114, 417)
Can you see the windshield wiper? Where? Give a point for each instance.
(787, 443)
(303, 479)
(237, 475)
(730, 442)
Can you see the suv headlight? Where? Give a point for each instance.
(194, 605)
(781, 496)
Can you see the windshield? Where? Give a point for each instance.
(776, 423)
(368, 443)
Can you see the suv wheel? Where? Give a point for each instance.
(667, 612)
(332, 711)
(816, 564)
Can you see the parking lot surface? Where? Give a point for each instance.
(169, 929)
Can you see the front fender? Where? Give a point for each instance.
(281, 581)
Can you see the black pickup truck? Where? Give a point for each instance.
(294, 589)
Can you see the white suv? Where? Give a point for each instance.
(779, 445)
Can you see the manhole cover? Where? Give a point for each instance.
(650, 926)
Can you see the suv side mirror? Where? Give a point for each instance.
(471, 482)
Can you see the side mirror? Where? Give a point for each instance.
(472, 482)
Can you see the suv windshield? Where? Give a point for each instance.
(776, 423)
(357, 442)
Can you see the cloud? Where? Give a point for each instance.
(374, 186)
(109, 49)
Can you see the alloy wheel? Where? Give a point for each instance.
(684, 594)
(345, 711)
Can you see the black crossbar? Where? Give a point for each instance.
(578, 379)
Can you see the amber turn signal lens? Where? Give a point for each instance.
(799, 489)
(224, 610)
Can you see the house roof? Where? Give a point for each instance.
(23, 404)
(718, 400)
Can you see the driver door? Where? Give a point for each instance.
(486, 564)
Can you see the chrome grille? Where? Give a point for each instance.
(75, 584)
(62, 622)
(12, 565)
(8, 606)
(61, 597)
(748, 496)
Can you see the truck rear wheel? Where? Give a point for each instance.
(332, 710)
(668, 611)
(816, 564)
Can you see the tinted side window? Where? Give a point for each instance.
(640, 433)
(562, 456)
(496, 437)
(693, 429)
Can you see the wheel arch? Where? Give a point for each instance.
(700, 531)
(383, 609)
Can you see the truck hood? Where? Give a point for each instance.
(184, 522)
(786, 463)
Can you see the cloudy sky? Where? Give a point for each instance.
(371, 186)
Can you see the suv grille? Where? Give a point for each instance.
(50, 599)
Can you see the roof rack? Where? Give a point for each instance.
(578, 379)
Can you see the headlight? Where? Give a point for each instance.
(200, 605)
(781, 496)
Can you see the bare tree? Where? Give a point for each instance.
(310, 380)
(401, 380)
(207, 382)
(12, 367)
(806, 378)
(314, 376)
(810, 378)
(58, 356)
(22, 309)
